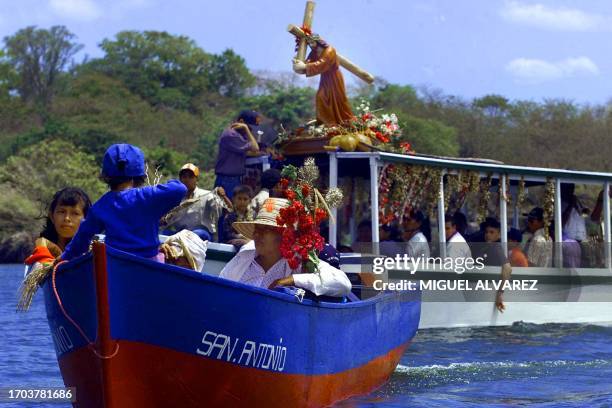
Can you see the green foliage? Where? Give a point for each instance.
(159, 67)
(166, 161)
(40, 170)
(38, 56)
(229, 75)
(290, 107)
(492, 105)
(429, 136)
(392, 97)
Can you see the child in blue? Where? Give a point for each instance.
(128, 214)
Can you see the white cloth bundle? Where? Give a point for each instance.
(187, 244)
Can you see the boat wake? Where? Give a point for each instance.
(498, 365)
(484, 371)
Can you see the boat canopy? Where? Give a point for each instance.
(487, 168)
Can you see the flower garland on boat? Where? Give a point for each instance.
(549, 204)
(301, 240)
(406, 187)
(366, 131)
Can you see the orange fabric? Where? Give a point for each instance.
(518, 258)
(41, 254)
(332, 104)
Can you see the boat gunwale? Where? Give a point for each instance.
(202, 276)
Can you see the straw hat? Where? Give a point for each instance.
(266, 216)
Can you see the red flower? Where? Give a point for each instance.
(290, 194)
(382, 137)
(284, 183)
(405, 146)
(320, 215)
(293, 263)
(305, 190)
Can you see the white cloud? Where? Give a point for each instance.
(534, 71)
(82, 10)
(559, 18)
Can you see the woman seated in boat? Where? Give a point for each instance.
(260, 263)
(68, 207)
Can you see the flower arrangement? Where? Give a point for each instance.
(308, 208)
(366, 131)
(384, 128)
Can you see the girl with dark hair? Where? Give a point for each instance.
(417, 233)
(66, 210)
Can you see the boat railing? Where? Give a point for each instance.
(503, 173)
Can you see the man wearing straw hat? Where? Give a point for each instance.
(260, 263)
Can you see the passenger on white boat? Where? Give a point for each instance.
(539, 248)
(260, 263)
(456, 246)
(574, 224)
(417, 233)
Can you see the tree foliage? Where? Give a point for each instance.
(38, 57)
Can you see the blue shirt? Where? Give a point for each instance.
(129, 218)
(233, 148)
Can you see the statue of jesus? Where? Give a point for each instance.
(331, 102)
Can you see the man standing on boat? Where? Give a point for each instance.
(235, 144)
(260, 263)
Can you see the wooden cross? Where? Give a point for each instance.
(301, 54)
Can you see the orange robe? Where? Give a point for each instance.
(332, 104)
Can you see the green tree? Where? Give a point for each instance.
(160, 67)
(38, 171)
(492, 105)
(229, 75)
(289, 106)
(429, 136)
(39, 57)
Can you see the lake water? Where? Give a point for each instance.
(537, 365)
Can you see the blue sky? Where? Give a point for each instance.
(520, 49)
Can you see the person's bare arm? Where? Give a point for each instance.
(506, 273)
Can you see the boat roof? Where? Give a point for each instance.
(539, 174)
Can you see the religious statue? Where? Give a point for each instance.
(332, 104)
(331, 101)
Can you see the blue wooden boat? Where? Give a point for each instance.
(130, 332)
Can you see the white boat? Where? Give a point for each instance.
(564, 295)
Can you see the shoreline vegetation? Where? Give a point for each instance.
(167, 95)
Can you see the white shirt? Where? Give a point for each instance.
(201, 210)
(244, 268)
(540, 249)
(575, 226)
(457, 247)
(418, 246)
(258, 200)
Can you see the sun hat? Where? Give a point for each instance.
(123, 160)
(270, 210)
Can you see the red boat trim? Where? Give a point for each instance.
(104, 343)
(143, 375)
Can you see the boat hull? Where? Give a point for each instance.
(159, 335)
